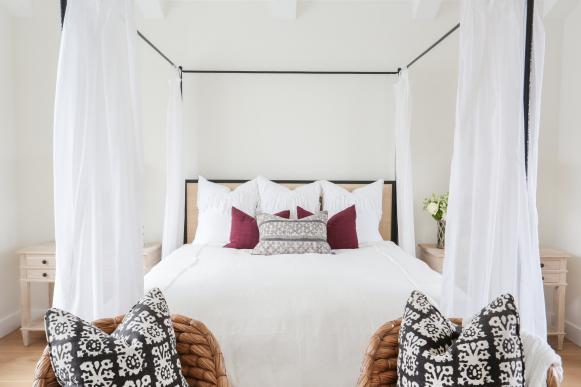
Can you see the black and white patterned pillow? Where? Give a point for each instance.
(433, 351)
(292, 236)
(141, 352)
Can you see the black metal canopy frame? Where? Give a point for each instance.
(527, 68)
(393, 72)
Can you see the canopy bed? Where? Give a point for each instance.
(294, 319)
(304, 319)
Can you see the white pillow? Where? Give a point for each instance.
(368, 204)
(215, 204)
(276, 197)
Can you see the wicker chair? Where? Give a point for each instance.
(379, 368)
(200, 355)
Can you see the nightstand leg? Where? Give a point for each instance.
(560, 316)
(554, 315)
(50, 293)
(25, 310)
(25, 338)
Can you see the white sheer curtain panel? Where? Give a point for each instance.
(173, 224)
(529, 242)
(403, 164)
(98, 162)
(491, 236)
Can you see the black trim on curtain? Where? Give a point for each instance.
(527, 76)
(63, 11)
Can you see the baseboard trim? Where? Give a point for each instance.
(573, 332)
(11, 322)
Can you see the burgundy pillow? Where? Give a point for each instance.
(244, 229)
(341, 228)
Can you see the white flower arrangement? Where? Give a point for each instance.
(437, 205)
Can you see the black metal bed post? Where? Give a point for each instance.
(527, 77)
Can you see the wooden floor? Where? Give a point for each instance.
(17, 361)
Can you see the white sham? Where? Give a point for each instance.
(215, 202)
(276, 197)
(368, 204)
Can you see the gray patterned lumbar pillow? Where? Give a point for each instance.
(140, 352)
(433, 351)
(292, 236)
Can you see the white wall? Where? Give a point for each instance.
(36, 45)
(9, 239)
(566, 209)
(548, 135)
(27, 78)
(433, 120)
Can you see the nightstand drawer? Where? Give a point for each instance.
(39, 274)
(554, 277)
(39, 261)
(552, 264)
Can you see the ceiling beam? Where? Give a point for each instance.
(425, 9)
(284, 9)
(152, 9)
(17, 8)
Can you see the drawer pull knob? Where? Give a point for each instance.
(543, 278)
(44, 262)
(44, 275)
(542, 265)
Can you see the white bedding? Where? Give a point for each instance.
(292, 320)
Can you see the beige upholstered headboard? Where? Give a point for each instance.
(387, 225)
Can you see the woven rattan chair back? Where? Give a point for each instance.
(379, 368)
(200, 355)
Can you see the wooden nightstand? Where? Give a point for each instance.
(151, 255)
(37, 264)
(554, 271)
(432, 255)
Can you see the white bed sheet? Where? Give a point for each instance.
(292, 320)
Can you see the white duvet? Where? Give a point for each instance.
(292, 320)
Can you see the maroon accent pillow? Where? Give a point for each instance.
(341, 228)
(244, 229)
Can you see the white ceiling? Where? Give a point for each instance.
(286, 9)
(337, 35)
